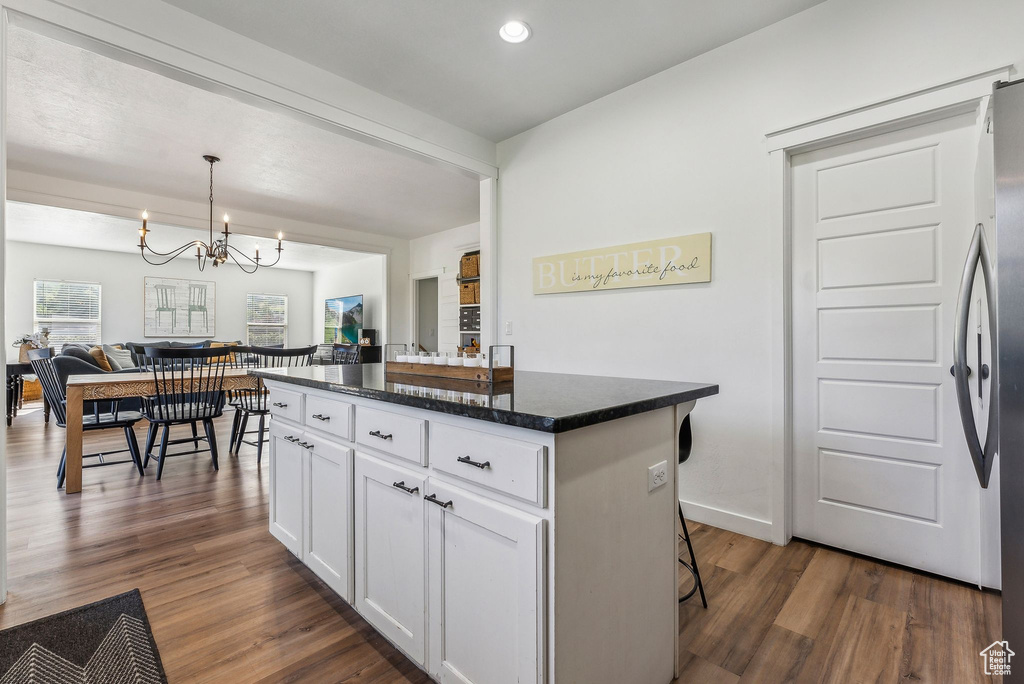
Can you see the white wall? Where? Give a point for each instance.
(365, 277)
(121, 276)
(684, 152)
(442, 250)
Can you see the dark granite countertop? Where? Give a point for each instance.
(549, 402)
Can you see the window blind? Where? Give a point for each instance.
(266, 319)
(69, 310)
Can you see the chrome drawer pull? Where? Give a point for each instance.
(401, 485)
(289, 438)
(304, 445)
(432, 498)
(280, 405)
(376, 433)
(320, 416)
(476, 464)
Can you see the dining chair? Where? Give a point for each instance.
(685, 447)
(53, 373)
(188, 389)
(345, 354)
(253, 402)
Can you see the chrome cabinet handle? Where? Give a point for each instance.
(401, 485)
(305, 445)
(377, 433)
(289, 438)
(432, 498)
(476, 464)
(320, 416)
(280, 405)
(982, 455)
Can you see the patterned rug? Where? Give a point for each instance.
(104, 642)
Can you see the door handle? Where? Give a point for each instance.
(289, 438)
(432, 498)
(280, 405)
(982, 455)
(401, 485)
(476, 464)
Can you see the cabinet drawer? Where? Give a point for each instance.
(329, 415)
(505, 465)
(401, 436)
(286, 404)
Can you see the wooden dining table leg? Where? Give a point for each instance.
(73, 435)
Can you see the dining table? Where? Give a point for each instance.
(83, 388)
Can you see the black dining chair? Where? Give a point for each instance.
(253, 402)
(145, 365)
(345, 354)
(53, 373)
(189, 389)
(685, 447)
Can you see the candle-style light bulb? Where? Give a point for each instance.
(280, 236)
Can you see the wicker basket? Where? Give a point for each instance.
(469, 293)
(469, 266)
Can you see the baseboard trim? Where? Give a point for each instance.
(727, 520)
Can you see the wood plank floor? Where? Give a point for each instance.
(806, 613)
(228, 604)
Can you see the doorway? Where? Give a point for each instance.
(880, 229)
(426, 314)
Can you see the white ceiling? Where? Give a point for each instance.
(78, 115)
(71, 228)
(444, 57)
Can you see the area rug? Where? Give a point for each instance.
(108, 641)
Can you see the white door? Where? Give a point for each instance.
(881, 228)
(485, 590)
(286, 468)
(389, 552)
(328, 550)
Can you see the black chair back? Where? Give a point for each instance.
(346, 354)
(272, 357)
(53, 389)
(189, 383)
(255, 400)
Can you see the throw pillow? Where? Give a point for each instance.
(79, 353)
(227, 358)
(101, 358)
(117, 355)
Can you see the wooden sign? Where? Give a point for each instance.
(683, 259)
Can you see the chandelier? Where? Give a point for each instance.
(216, 251)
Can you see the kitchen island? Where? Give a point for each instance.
(523, 532)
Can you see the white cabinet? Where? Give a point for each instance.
(328, 500)
(485, 589)
(286, 488)
(389, 551)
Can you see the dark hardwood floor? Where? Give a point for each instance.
(228, 604)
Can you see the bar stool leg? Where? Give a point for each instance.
(698, 585)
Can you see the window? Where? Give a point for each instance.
(69, 310)
(266, 319)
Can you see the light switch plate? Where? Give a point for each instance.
(657, 475)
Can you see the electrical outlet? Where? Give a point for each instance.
(657, 475)
(508, 327)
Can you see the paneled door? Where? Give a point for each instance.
(881, 228)
(389, 552)
(485, 590)
(286, 508)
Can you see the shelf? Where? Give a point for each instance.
(468, 305)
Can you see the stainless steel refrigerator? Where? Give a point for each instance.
(989, 347)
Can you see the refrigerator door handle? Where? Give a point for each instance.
(982, 455)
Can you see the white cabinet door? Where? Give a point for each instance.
(286, 469)
(328, 547)
(485, 590)
(389, 552)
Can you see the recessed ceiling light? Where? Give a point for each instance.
(514, 32)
